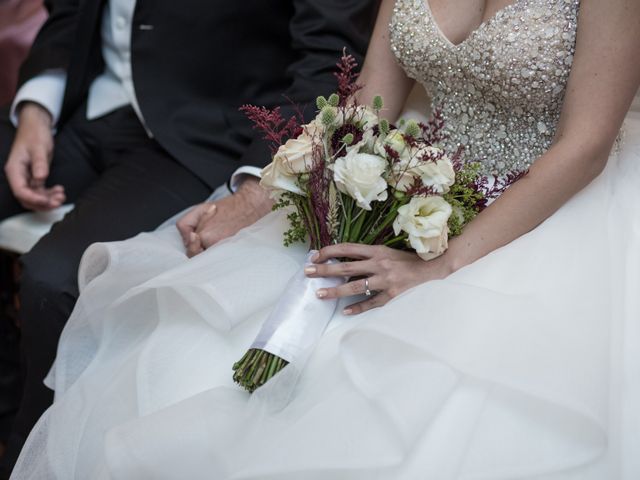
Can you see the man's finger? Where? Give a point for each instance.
(210, 209)
(193, 220)
(56, 198)
(17, 176)
(210, 236)
(187, 224)
(194, 246)
(39, 165)
(56, 189)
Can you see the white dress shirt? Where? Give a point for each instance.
(114, 88)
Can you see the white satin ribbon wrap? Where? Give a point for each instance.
(299, 319)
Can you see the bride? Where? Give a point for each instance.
(513, 355)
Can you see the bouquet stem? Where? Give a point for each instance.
(256, 368)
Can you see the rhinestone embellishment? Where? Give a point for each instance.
(500, 91)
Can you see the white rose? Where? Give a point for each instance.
(404, 174)
(366, 118)
(292, 159)
(360, 175)
(425, 220)
(438, 174)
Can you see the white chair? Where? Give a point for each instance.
(18, 234)
(21, 232)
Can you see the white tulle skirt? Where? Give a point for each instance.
(525, 364)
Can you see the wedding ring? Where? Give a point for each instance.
(367, 292)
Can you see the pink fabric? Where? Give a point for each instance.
(19, 23)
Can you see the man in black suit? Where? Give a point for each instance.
(144, 98)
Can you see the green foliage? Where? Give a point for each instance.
(398, 195)
(297, 232)
(321, 102)
(463, 198)
(378, 103)
(256, 368)
(334, 100)
(456, 220)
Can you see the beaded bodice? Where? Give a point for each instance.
(500, 91)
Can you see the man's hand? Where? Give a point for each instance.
(208, 223)
(27, 167)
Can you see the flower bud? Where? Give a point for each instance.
(384, 126)
(348, 139)
(378, 103)
(412, 129)
(328, 115)
(321, 102)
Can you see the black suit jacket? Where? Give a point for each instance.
(196, 61)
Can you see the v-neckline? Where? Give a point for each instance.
(474, 32)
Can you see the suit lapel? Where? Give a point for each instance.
(86, 60)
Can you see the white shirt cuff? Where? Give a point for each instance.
(240, 174)
(47, 89)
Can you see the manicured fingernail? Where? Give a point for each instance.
(212, 208)
(347, 311)
(321, 293)
(193, 237)
(310, 270)
(315, 256)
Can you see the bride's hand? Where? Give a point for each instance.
(389, 273)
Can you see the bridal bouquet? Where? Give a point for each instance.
(351, 176)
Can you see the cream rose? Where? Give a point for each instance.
(292, 159)
(425, 220)
(360, 175)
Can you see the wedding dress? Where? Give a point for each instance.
(525, 364)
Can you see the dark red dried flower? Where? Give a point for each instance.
(433, 132)
(419, 189)
(276, 129)
(339, 134)
(456, 159)
(392, 154)
(347, 77)
(318, 195)
(491, 190)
